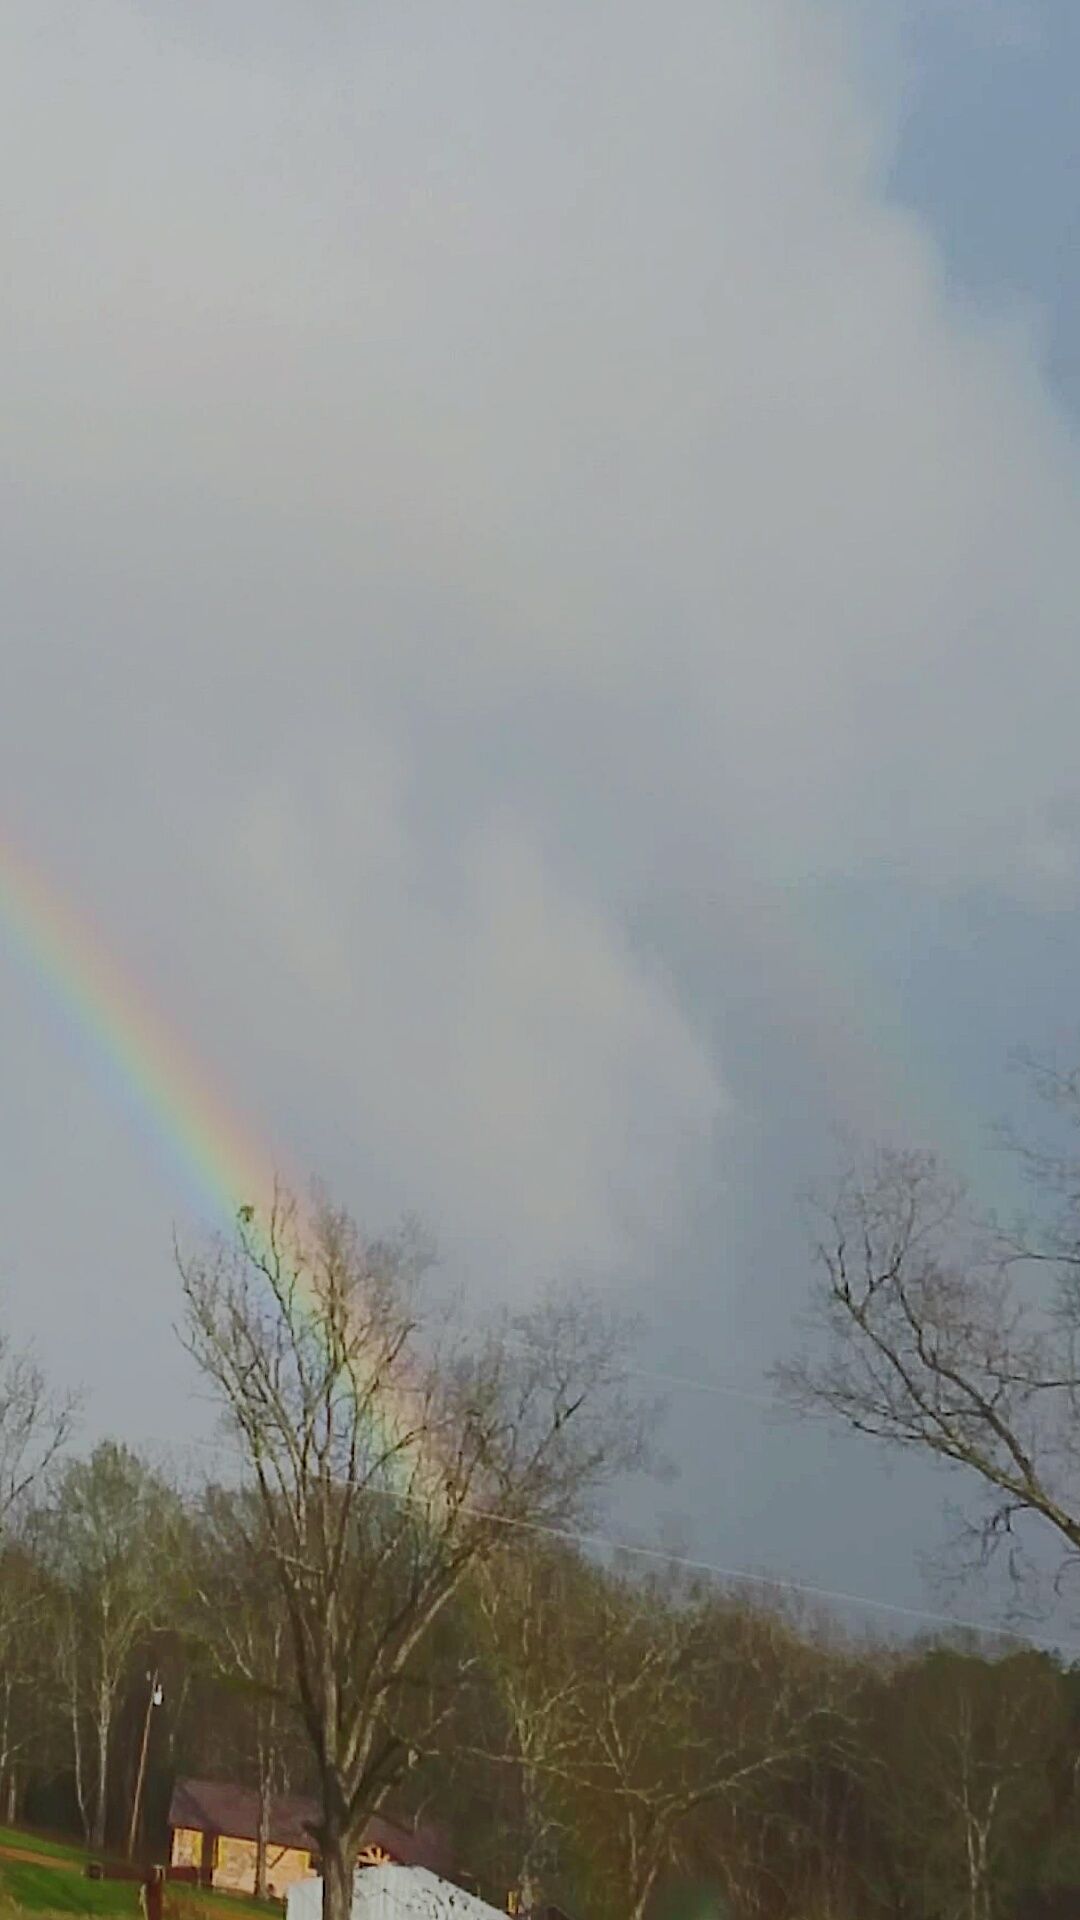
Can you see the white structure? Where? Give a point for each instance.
(394, 1893)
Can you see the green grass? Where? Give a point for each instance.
(227, 1903)
(34, 1888)
(57, 1889)
(216, 1901)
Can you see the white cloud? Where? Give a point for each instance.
(467, 456)
(502, 1061)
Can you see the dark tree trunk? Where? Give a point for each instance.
(262, 1834)
(338, 1851)
(337, 1878)
(97, 1838)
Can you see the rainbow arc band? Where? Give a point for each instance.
(229, 1172)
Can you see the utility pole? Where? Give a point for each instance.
(154, 1697)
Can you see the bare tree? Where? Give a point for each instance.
(637, 1706)
(23, 1604)
(695, 1705)
(106, 1539)
(524, 1604)
(69, 1675)
(963, 1778)
(931, 1342)
(241, 1620)
(35, 1426)
(389, 1455)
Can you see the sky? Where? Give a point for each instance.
(539, 577)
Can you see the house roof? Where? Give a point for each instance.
(215, 1806)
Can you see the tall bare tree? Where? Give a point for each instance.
(107, 1538)
(530, 1659)
(637, 1706)
(25, 1666)
(935, 1340)
(36, 1425)
(390, 1455)
(964, 1777)
(695, 1705)
(241, 1620)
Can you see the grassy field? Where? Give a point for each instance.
(36, 1843)
(31, 1886)
(63, 1889)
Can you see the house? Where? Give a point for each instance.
(213, 1829)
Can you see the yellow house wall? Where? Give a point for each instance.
(234, 1866)
(186, 1847)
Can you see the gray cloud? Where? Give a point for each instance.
(481, 483)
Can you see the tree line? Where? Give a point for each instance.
(376, 1598)
(590, 1737)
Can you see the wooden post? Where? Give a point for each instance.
(152, 1698)
(153, 1893)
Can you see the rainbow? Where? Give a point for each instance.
(223, 1166)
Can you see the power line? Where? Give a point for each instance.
(704, 1386)
(689, 1382)
(743, 1576)
(693, 1384)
